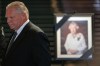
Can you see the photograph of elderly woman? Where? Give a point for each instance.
(74, 37)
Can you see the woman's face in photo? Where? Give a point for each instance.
(73, 28)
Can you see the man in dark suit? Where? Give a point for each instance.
(30, 47)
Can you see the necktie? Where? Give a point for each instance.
(11, 41)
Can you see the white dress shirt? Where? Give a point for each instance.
(21, 28)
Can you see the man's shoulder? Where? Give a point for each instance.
(34, 28)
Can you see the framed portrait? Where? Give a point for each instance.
(74, 36)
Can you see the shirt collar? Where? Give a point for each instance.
(21, 28)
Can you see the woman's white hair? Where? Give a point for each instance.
(73, 24)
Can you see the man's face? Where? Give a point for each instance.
(14, 19)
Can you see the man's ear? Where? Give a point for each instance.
(23, 15)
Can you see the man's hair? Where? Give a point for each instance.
(19, 6)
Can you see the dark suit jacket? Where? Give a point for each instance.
(31, 48)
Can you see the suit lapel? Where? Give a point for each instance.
(18, 39)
